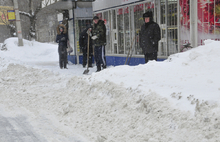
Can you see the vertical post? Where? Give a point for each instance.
(166, 26)
(133, 30)
(178, 25)
(193, 23)
(18, 23)
(74, 36)
(157, 6)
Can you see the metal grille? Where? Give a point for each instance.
(169, 28)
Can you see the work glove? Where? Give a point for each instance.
(89, 32)
(63, 39)
(94, 37)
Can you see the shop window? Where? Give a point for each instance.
(172, 14)
(149, 6)
(108, 33)
(172, 27)
(209, 17)
(163, 13)
(208, 20)
(114, 32)
(120, 25)
(114, 18)
(184, 22)
(169, 29)
(162, 49)
(184, 14)
(127, 29)
(138, 22)
(81, 24)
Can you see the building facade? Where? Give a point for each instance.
(181, 21)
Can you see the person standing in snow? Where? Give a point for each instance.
(150, 35)
(99, 41)
(62, 39)
(83, 43)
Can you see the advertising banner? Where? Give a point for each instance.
(208, 20)
(3, 14)
(184, 22)
(11, 15)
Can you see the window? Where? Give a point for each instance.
(127, 29)
(138, 22)
(120, 25)
(172, 27)
(108, 33)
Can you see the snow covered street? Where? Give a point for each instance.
(17, 129)
(174, 100)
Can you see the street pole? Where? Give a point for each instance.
(193, 23)
(18, 23)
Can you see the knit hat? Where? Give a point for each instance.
(95, 17)
(148, 14)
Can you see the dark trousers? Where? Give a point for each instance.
(84, 50)
(100, 56)
(150, 56)
(62, 56)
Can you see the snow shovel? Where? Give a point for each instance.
(87, 70)
(130, 50)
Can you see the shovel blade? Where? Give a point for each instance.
(86, 71)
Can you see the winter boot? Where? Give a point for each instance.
(104, 66)
(98, 68)
(61, 64)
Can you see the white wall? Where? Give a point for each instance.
(103, 4)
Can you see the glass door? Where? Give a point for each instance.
(169, 28)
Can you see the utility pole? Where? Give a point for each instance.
(18, 23)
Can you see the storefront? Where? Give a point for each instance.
(123, 19)
(76, 15)
(181, 21)
(200, 22)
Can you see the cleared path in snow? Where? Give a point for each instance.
(17, 129)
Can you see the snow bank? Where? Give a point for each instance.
(174, 100)
(106, 111)
(32, 51)
(193, 74)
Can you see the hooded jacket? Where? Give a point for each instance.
(61, 35)
(99, 30)
(150, 35)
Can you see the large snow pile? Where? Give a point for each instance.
(32, 52)
(174, 100)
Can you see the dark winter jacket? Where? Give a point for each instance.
(149, 37)
(99, 30)
(83, 39)
(62, 38)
